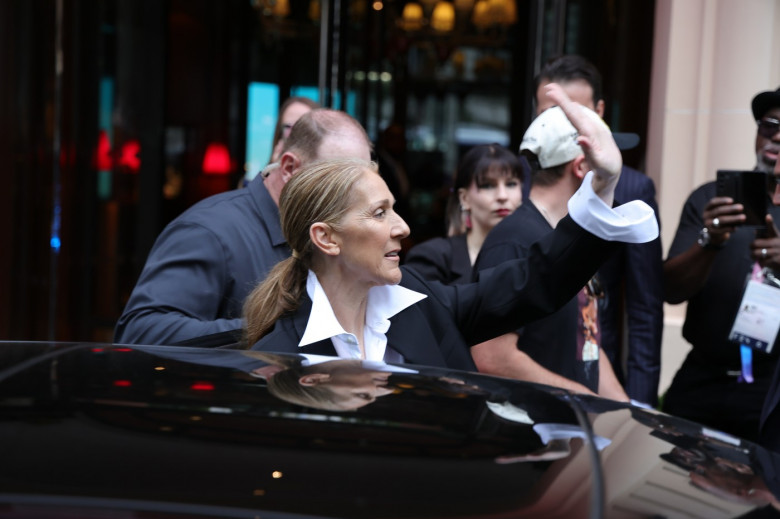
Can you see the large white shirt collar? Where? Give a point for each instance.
(383, 303)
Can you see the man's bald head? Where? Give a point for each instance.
(328, 134)
(318, 135)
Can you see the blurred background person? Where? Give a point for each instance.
(486, 190)
(291, 110)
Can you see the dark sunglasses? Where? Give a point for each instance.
(768, 127)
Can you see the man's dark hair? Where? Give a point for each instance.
(570, 67)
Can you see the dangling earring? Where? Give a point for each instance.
(467, 217)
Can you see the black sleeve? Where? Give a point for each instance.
(517, 292)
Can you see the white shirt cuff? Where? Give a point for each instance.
(633, 222)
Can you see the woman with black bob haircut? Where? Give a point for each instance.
(486, 190)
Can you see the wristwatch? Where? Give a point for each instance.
(704, 240)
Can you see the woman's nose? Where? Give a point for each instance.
(400, 228)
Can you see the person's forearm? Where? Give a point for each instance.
(686, 274)
(609, 386)
(157, 327)
(501, 357)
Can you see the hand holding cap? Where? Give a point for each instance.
(596, 142)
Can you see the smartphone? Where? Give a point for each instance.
(747, 188)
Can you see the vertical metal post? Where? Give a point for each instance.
(335, 57)
(55, 238)
(330, 47)
(560, 18)
(325, 29)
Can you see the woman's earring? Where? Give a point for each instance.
(467, 217)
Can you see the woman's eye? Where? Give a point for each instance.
(364, 396)
(512, 183)
(486, 186)
(380, 213)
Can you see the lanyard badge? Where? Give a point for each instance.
(758, 319)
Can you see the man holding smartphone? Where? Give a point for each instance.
(722, 384)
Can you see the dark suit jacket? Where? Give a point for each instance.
(438, 330)
(633, 286)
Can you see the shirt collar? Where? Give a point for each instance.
(384, 302)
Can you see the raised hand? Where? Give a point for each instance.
(596, 142)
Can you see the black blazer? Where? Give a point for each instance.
(439, 330)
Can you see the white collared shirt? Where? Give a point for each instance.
(383, 303)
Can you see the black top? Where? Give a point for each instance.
(551, 341)
(711, 311)
(442, 259)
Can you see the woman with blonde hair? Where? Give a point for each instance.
(344, 292)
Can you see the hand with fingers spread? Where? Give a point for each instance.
(766, 250)
(596, 142)
(721, 216)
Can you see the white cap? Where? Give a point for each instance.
(553, 139)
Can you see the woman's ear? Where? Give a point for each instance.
(324, 238)
(463, 198)
(314, 379)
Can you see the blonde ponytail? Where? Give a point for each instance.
(320, 192)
